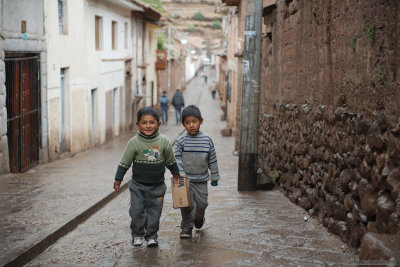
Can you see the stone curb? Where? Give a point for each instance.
(53, 237)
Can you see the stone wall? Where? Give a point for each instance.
(330, 113)
(4, 161)
(337, 164)
(334, 52)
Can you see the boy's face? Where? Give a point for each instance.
(192, 124)
(148, 125)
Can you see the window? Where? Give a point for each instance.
(126, 35)
(115, 110)
(62, 16)
(114, 35)
(114, 96)
(144, 43)
(64, 109)
(99, 32)
(23, 26)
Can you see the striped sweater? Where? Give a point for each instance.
(195, 155)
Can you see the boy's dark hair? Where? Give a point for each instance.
(191, 110)
(148, 111)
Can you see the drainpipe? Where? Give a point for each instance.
(248, 154)
(169, 60)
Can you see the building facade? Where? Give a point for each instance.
(23, 88)
(72, 75)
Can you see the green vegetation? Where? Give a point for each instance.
(382, 77)
(156, 4)
(369, 31)
(353, 43)
(161, 39)
(216, 25)
(191, 28)
(198, 16)
(274, 176)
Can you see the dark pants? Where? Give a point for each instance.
(199, 203)
(145, 209)
(178, 113)
(164, 115)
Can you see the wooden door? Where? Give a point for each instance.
(23, 110)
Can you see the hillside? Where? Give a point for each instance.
(196, 18)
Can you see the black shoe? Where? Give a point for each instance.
(200, 223)
(186, 233)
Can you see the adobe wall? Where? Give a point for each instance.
(176, 73)
(330, 108)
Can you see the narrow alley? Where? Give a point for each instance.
(242, 228)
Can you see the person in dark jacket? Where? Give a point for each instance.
(178, 102)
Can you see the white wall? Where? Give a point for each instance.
(89, 68)
(111, 62)
(191, 65)
(16, 10)
(67, 51)
(151, 59)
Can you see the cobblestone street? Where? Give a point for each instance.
(261, 228)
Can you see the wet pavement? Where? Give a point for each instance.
(242, 228)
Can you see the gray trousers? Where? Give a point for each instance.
(198, 198)
(145, 209)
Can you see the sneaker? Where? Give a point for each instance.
(200, 223)
(186, 233)
(137, 241)
(152, 243)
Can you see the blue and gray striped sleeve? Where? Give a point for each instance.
(213, 163)
(178, 149)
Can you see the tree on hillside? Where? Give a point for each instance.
(216, 25)
(198, 16)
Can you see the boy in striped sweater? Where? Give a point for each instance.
(195, 154)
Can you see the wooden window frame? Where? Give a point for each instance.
(114, 35)
(98, 32)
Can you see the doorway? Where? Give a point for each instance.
(94, 112)
(23, 109)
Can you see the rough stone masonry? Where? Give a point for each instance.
(337, 164)
(330, 111)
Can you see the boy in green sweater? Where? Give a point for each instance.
(149, 152)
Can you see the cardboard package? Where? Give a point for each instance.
(180, 192)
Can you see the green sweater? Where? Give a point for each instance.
(148, 155)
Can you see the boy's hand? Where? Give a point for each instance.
(176, 177)
(214, 183)
(117, 184)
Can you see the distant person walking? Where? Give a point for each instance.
(164, 100)
(213, 89)
(178, 102)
